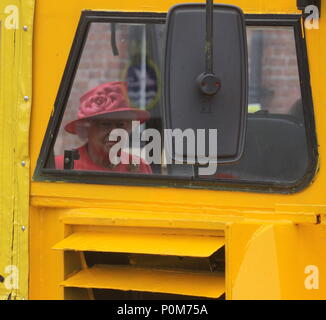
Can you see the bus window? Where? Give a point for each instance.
(276, 147)
(117, 82)
(115, 91)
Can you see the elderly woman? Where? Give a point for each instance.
(102, 110)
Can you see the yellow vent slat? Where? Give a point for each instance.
(159, 244)
(126, 278)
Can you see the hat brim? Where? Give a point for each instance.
(127, 113)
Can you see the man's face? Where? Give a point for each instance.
(99, 133)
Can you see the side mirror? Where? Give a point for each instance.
(203, 91)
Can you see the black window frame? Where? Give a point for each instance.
(88, 177)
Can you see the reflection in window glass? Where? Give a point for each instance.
(275, 149)
(119, 80)
(273, 70)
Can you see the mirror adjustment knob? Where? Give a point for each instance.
(209, 84)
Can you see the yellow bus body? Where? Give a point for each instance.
(273, 242)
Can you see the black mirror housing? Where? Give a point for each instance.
(187, 99)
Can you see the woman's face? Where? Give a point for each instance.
(99, 134)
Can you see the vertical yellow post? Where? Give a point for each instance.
(16, 21)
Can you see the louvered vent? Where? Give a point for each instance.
(119, 264)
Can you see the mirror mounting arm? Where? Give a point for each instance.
(209, 36)
(208, 83)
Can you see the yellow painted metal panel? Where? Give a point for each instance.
(159, 244)
(48, 82)
(298, 213)
(289, 247)
(47, 268)
(16, 83)
(140, 218)
(301, 258)
(172, 217)
(258, 276)
(275, 261)
(149, 280)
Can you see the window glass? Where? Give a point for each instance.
(276, 149)
(118, 81)
(273, 69)
(118, 86)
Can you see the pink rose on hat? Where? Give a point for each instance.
(106, 100)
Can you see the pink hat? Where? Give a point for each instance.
(107, 100)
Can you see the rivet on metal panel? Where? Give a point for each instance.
(23, 228)
(26, 98)
(23, 163)
(25, 28)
